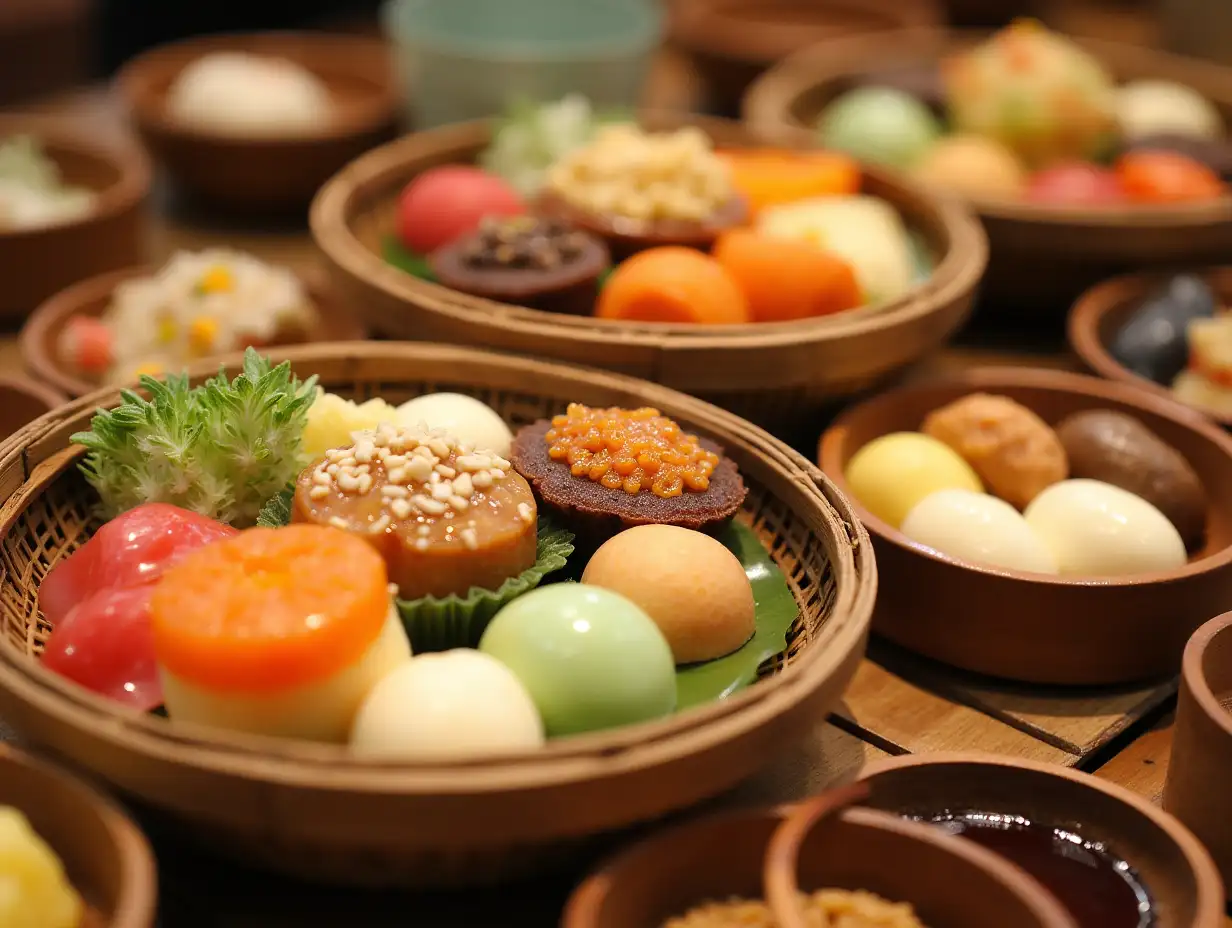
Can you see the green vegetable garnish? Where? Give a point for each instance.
(277, 511)
(221, 449)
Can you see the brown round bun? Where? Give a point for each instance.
(693, 587)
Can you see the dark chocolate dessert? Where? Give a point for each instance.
(626, 237)
(526, 260)
(605, 470)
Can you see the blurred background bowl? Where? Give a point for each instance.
(264, 174)
(466, 59)
(37, 262)
(731, 42)
(40, 336)
(107, 859)
(1100, 313)
(1040, 257)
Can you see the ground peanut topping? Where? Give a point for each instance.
(630, 449)
(413, 474)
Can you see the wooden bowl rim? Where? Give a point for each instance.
(958, 271)
(1209, 904)
(149, 110)
(768, 104)
(584, 902)
(67, 303)
(709, 25)
(121, 196)
(45, 395)
(295, 763)
(990, 379)
(138, 877)
(1082, 331)
(1195, 676)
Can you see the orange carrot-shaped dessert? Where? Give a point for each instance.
(276, 631)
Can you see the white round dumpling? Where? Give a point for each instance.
(236, 93)
(460, 416)
(1094, 529)
(447, 706)
(1146, 108)
(978, 528)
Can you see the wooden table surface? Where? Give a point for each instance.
(898, 703)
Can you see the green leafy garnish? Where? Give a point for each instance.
(459, 621)
(277, 512)
(697, 684)
(401, 257)
(222, 449)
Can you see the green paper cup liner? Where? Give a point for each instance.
(459, 621)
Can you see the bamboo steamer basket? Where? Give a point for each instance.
(775, 374)
(1041, 257)
(310, 809)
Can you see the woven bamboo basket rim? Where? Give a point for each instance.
(336, 322)
(958, 271)
(57, 134)
(772, 105)
(366, 57)
(41, 457)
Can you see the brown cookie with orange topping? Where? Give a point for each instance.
(605, 470)
(444, 516)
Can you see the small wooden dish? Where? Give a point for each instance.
(1170, 861)
(731, 42)
(40, 336)
(1041, 257)
(1032, 627)
(320, 813)
(1196, 791)
(1101, 311)
(948, 881)
(35, 263)
(107, 859)
(23, 400)
(779, 375)
(241, 174)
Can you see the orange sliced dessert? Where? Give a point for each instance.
(276, 631)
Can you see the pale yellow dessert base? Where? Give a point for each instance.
(317, 712)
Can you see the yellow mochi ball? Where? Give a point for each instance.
(890, 474)
(34, 890)
(693, 588)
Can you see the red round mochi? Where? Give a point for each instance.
(444, 203)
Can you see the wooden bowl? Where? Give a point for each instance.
(23, 400)
(1169, 860)
(731, 42)
(948, 881)
(1196, 790)
(1101, 311)
(1032, 627)
(313, 809)
(35, 263)
(776, 374)
(245, 174)
(40, 337)
(1041, 257)
(107, 859)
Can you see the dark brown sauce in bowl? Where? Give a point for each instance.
(1100, 889)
